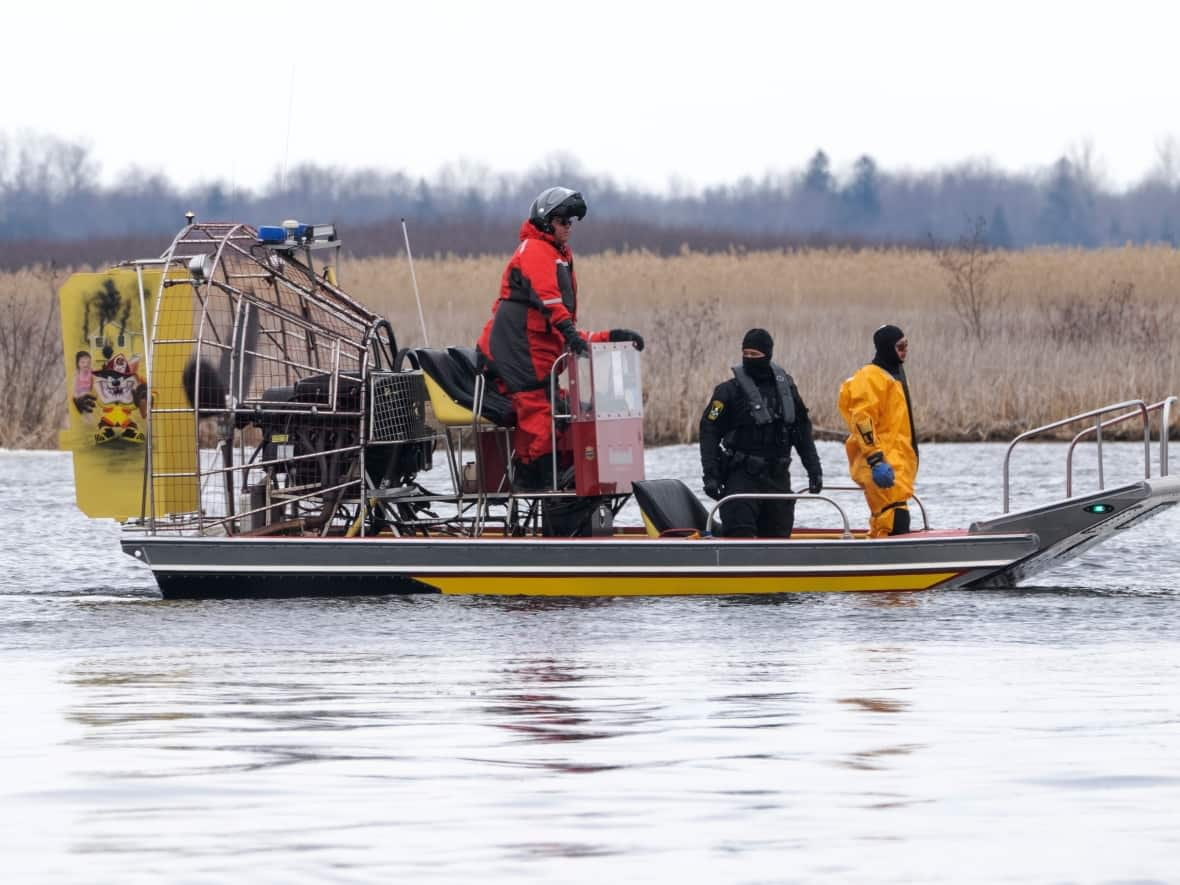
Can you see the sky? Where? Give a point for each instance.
(662, 95)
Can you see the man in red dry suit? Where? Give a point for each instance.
(533, 321)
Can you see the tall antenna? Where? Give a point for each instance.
(414, 278)
(290, 105)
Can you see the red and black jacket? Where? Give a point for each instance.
(538, 293)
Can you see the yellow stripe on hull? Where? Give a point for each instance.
(639, 585)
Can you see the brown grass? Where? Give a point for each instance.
(32, 376)
(1077, 328)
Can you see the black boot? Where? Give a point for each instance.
(533, 476)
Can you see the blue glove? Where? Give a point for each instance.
(882, 472)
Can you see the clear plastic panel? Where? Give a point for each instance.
(618, 383)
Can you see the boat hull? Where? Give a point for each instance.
(187, 567)
(1067, 529)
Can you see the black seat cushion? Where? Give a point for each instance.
(456, 376)
(670, 505)
(466, 357)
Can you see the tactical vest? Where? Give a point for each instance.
(758, 409)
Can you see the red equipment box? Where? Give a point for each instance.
(606, 407)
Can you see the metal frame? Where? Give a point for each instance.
(1143, 411)
(555, 370)
(913, 497)
(778, 496)
(351, 333)
(1164, 405)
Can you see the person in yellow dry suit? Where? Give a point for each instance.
(882, 446)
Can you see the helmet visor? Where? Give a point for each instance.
(572, 206)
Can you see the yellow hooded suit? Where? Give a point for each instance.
(875, 405)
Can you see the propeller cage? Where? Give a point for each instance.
(281, 367)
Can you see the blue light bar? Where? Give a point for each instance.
(292, 234)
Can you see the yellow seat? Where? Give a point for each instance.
(448, 411)
(451, 380)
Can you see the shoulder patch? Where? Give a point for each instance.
(715, 409)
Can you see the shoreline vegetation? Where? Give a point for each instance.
(1000, 341)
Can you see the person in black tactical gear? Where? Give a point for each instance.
(747, 432)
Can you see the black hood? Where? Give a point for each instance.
(758, 367)
(759, 339)
(885, 340)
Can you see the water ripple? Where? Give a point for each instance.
(843, 738)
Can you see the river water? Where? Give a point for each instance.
(985, 736)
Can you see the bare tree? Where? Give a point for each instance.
(1088, 165)
(970, 266)
(1167, 162)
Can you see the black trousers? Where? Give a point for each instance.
(560, 517)
(761, 519)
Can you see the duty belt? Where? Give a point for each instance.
(757, 463)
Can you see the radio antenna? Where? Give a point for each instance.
(287, 146)
(414, 279)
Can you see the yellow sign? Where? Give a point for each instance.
(107, 372)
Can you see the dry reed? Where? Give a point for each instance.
(32, 377)
(1076, 329)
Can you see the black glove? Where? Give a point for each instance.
(85, 403)
(815, 483)
(713, 487)
(627, 335)
(573, 340)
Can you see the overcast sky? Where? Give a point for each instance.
(651, 93)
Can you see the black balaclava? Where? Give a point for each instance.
(885, 340)
(758, 339)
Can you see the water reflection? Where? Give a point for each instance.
(561, 849)
(873, 760)
(895, 599)
(221, 713)
(875, 705)
(540, 715)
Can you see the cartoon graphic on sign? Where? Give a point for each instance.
(106, 361)
(122, 398)
(116, 392)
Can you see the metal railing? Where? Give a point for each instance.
(913, 497)
(554, 372)
(1141, 409)
(1164, 406)
(777, 496)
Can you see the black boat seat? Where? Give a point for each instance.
(669, 507)
(450, 383)
(466, 357)
(470, 360)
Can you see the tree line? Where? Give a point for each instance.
(50, 197)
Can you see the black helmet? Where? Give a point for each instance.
(556, 202)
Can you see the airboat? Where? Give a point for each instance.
(259, 433)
